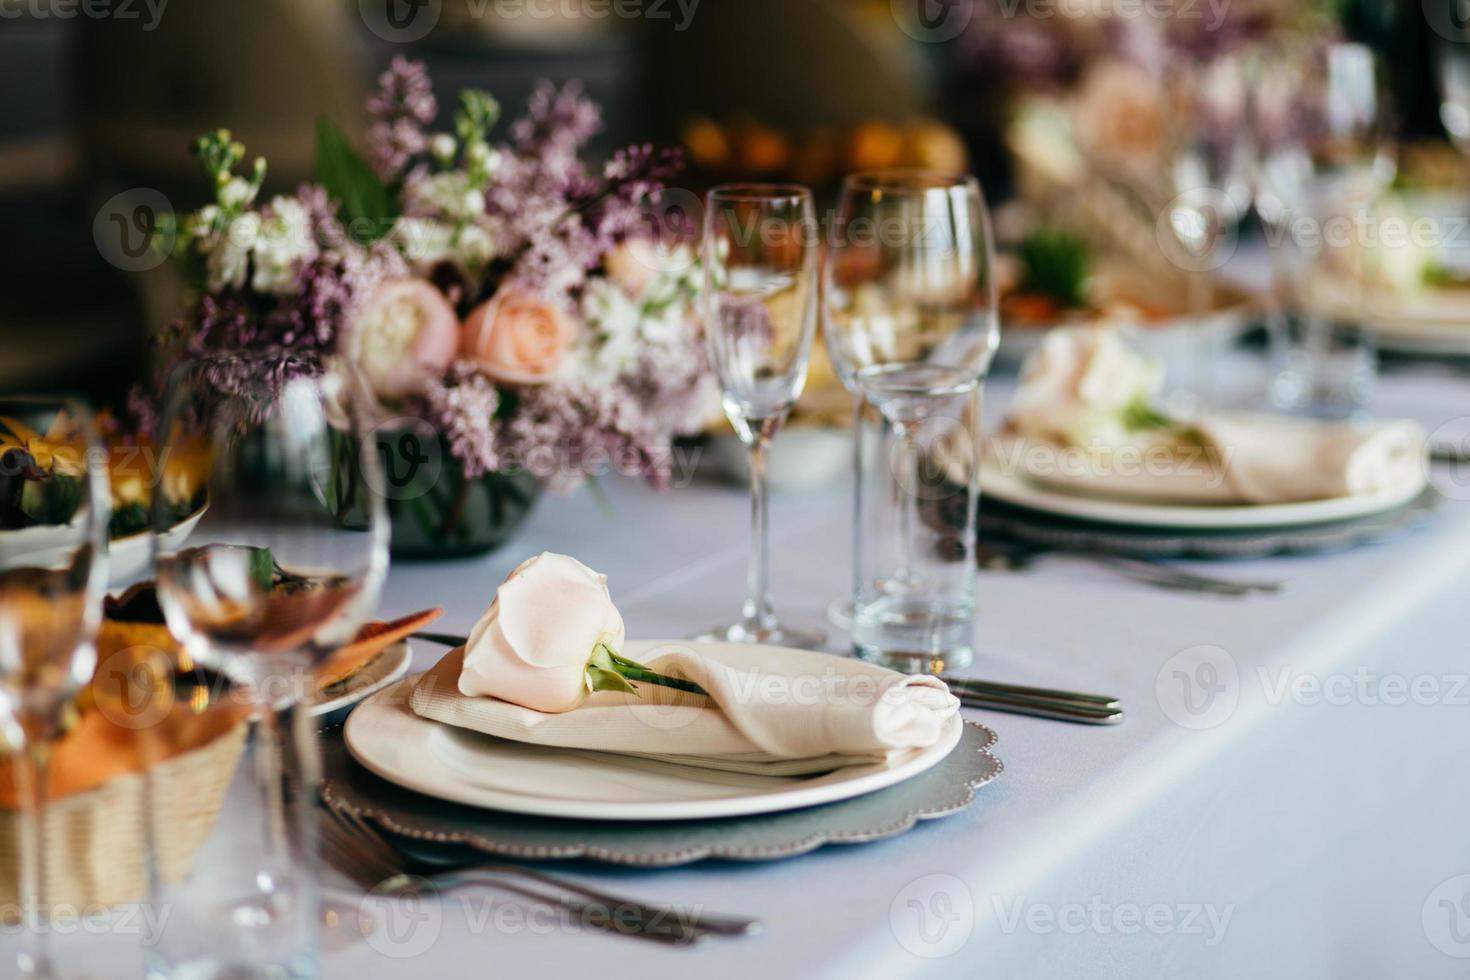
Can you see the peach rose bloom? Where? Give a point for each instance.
(518, 338)
(532, 646)
(407, 335)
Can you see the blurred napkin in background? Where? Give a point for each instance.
(770, 712)
(1084, 421)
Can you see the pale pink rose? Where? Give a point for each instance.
(518, 338)
(1119, 116)
(406, 335)
(638, 261)
(532, 646)
(633, 264)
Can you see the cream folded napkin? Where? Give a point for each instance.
(1236, 459)
(1083, 421)
(769, 712)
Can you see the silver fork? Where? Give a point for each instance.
(357, 849)
(1022, 557)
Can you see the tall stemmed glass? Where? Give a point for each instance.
(54, 515)
(910, 321)
(1325, 154)
(1207, 167)
(760, 312)
(1452, 68)
(286, 563)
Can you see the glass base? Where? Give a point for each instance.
(780, 636)
(914, 634)
(913, 662)
(839, 614)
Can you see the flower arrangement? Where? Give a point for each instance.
(505, 293)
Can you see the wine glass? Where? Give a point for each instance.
(760, 311)
(1452, 68)
(1207, 169)
(910, 321)
(54, 517)
(1325, 154)
(286, 562)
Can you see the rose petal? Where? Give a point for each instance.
(553, 610)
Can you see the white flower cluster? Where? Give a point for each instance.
(643, 307)
(278, 241)
(446, 220)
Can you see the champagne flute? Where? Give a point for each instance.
(1325, 154)
(1452, 70)
(54, 515)
(1208, 168)
(760, 311)
(287, 561)
(910, 321)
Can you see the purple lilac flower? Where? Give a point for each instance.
(401, 109)
(634, 176)
(564, 433)
(558, 122)
(463, 406)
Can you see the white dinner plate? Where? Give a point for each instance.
(388, 666)
(1014, 489)
(1436, 322)
(127, 557)
(386, 737)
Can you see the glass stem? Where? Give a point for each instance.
(36, 958)
(757, 617)
(858, 433)
(906, 473)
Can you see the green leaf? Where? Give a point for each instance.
(52, 500)
(608, 680)
(1140, 416)
(262, 568)
(1055, 263)
(602, 672)
(348, 178)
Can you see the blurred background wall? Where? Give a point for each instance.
(98, 106)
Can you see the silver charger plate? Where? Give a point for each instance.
(945, 789)
(1037, 528)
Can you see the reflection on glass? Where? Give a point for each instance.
(54, 516)
(285, 564)
(760, 311)
(910, 319)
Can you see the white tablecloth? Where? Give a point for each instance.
(1313, 828)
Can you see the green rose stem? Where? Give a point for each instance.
(608, 671)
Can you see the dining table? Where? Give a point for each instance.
(1286, 797)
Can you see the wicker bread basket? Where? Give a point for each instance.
(96, 846)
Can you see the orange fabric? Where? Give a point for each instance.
(131, 720)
